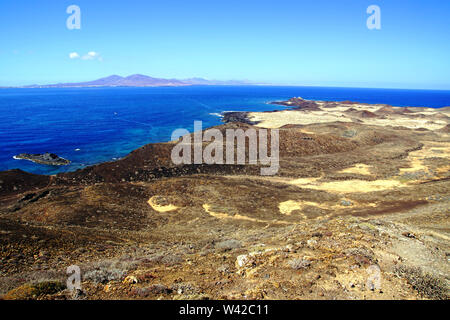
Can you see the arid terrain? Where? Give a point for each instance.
(358, 210)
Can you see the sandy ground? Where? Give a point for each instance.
(153, 202)
(414, 120)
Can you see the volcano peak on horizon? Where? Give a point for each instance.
(139, 80)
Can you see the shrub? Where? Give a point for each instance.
(424, 283)
(48, 287)
(108, 270)
(104, 275)
(32, 291)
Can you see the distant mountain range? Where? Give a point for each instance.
(138, 80)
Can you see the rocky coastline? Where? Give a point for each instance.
(47, 158)
(306, 112)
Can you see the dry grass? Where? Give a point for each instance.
(424, 283)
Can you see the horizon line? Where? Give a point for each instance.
(244, 82)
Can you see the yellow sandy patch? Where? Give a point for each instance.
(415, 164)
(306, 131)
(279, 119)
(302, 181)
(221, 215)
(430, 149)
(444, 169)
(408, 123)
(305, 117)
(287, 207)
(359, 168)
(160, 208)
(350, 186)
(347, 186)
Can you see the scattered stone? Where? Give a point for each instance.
(245, 260)
(78, 294)
(185, 288)
(311, 243)
(346, 203)
(409, 235)
(228, 245)
(437, 197)
(290, 248)
(130, 280)
(298, 264)
(349, 133)
(224, 268)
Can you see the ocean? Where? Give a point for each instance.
(93, 125)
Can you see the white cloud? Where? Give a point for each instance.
(91, 55)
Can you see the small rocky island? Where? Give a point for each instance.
(50, 159)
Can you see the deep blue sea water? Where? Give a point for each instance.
(92, 125)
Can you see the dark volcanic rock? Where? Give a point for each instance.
(18, 181)
(236, 116)
(299, 103)
(50, 159)
(445, 129)
(361, 113)
(385, 110)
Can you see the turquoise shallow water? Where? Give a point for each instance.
(92, 125)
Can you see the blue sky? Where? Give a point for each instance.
(321, 42)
